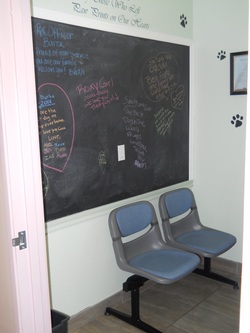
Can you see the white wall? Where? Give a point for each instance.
(161, 15)
(219, 25)
(83, 270)
(82, 265)
(245, 290)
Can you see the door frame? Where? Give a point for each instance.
(21, 188)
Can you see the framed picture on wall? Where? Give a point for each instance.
(238, 73)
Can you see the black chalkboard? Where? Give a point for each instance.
(101, 93)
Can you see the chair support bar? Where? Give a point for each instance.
(133, 284)
(209, 274)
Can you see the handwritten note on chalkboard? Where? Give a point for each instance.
(113, 115)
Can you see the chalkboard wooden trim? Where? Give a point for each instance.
(191, 111)
(109, 27)
(103, 211)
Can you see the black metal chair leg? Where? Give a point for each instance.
(206, 271)
(133, 284)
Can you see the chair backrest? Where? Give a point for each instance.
(179, 213)
(178, 202)
(134, 230)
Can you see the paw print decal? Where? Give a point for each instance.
(183, 20)
(237, 120)
(221, 55)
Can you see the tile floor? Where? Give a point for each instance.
(193, 305)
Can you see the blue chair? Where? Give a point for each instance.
(140, 250)
(183, 230)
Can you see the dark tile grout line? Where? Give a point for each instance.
(198, 304)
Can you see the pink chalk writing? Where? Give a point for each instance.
(98, 94)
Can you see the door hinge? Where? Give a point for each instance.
(20, 240)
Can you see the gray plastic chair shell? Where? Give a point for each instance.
(146, 244)
(180, 205)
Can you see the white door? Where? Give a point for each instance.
(24, 304)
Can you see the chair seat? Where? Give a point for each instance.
(169, 264)
(211, 241)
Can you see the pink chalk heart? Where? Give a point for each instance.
(160, 76)
(56, 126)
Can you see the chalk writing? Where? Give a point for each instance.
(102, 160)
(101, 102)
(95, 87)
(98, 94)
(56, 123)
(135, 127)
(124, 140)
(53, 56)
(52, 36)
(163, 121)
(177, 97)
(60, 62)
(160, 76)
(138, 122)
(45, 183)
(47, 100)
